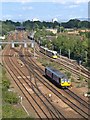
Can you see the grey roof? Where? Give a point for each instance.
(56, 72)
(20, 28)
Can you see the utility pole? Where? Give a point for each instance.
(60, 27)
(69, 53)
(34, 47)
(80, 66)
(86, 55)
(60, 53)
(23, 106)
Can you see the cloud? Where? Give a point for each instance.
(55, 1)
(81, 1)
(20, 15)
(72, 6)
(72, 16)
(8, 16)
(22, 1)
(27, 8)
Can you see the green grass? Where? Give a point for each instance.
(68, 74)
(0, 91)
(88, 83)
(11, 107)
(72, 80)
(9, 111)
(81, 78)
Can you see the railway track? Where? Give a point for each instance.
(59, 95)
(76, 69)
(14, 77)
(52, 110)
(69, 92)
(75, 65)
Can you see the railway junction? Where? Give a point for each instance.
(40, 98)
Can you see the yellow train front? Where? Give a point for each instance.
(50, 53)
(58, 77)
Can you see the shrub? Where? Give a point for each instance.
(81, 78)
(60, 68)
(72, 79)
(89, 83)
(10, 97)
(68, 74)
(5, 83)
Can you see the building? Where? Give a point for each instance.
(54, 31)
(20, 28)
(54, 20)
(35, 19)
(2, 37)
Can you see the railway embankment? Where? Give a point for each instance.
(10, 106)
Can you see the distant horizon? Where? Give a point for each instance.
(63, 20)
(44, 11)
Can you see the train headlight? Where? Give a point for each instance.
(62, 81)
(68, 81)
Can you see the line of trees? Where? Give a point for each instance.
(78, 46)
(9, 25)
(74, 46)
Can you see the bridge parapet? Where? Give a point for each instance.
(14, 42)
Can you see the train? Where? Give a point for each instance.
(57, 77)
(50, 53)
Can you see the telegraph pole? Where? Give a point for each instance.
(34, 48)
(86, 55)
(69, 53)
(60, 53)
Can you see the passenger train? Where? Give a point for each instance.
(58, 77)
(48, 52)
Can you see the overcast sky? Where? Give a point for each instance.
(44, 9)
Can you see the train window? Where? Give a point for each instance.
(68, 80)
(55, 53)
(59, 80)
(62, 81)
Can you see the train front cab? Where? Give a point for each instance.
(43, 50)
(65, 83)
(54, 55)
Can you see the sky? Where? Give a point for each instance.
(44, 10)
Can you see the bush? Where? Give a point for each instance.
(72, 79)
(88, 92)
(5, 83)
(60, 68)
(11, 113)
(81, 78)
(10, 97)
(89, 83)
(68, 74)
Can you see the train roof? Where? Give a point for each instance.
(44, 47)
(48, 49)
(52, 51)
(56, 72)
(20, 28)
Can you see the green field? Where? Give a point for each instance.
(0, 91)
(10, 106)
